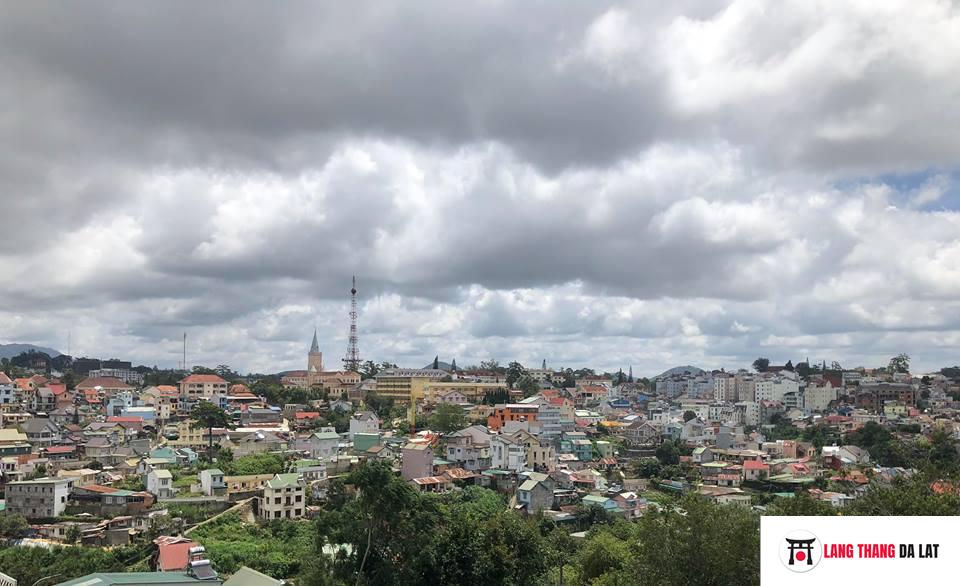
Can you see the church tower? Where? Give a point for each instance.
(314, 361)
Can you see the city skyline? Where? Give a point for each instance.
(621, 184)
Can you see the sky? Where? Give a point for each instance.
(600, 184)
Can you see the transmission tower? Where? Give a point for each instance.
(352, 360)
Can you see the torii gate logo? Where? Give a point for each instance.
(800, 551)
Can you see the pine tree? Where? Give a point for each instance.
(453, 365)
(436, 362)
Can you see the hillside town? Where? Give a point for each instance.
(102, 454)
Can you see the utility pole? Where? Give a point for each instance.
(184, 351)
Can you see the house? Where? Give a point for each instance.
(364, 422)
(631, 505)
(642, 432)
(37, 499)
(258, 442)
(508, 453)
(607, 504)
(255, 416)
(321, 444)
(13, 442)
(701, 455)
(160, 483)
(837, 457)
(755, 470)
(284, 497)
(80, 477)
(107, 501)
(173, 553)
(8, 393)
(417, 461)
(40, 432)
(435, 484)
(470, 448)
(212, 482)
(536, 493)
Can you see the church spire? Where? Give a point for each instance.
(315, 346)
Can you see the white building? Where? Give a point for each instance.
(160, 483)
(364, 422)
(507, 453)
(817, 398)
(283, 498)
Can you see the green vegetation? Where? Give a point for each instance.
(12, 525)
(29, 564)
(253, 464)
(276, 549)
(447, 418)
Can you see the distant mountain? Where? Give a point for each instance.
(11, 350)
(682, 370)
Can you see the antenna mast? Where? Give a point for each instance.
(352, 360)
(185, 351)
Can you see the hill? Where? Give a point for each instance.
(682, 370)
(14, 349)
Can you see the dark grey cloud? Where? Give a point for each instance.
(607, 183)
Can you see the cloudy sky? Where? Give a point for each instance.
(591, 183)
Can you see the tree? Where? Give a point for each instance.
(668, 452)
(788, 365)
(761, 364)
(73, 534)
(899, 363)
(208, 415)
(491, 364)
(369, 369)
(688, 415)
(515, 371)
(382, 406)
(436, 362)
(529, 386)
(12, 525)
(448, 418)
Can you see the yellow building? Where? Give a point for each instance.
(404, 385)
(473, 391)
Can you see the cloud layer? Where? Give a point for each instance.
(598, 184)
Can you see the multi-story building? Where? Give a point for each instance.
(470, 448)
(817, 397)
(284, 497)
(7, 390)
(404, 385)
(724, 388)
(38, 499)
(417, 461)
(205, 386)
(131, 377)
(434, 391)
(507, 452)
(512, 412)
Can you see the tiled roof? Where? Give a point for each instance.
(204, 378)
(107, 382)
(175, 555)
